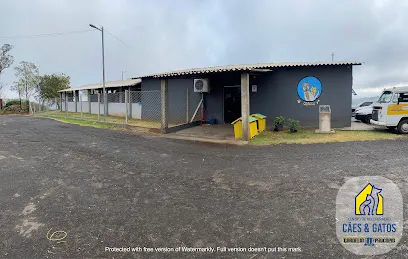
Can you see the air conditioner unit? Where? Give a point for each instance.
(201, 86)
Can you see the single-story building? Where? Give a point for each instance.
(88, 94)
(292, 90)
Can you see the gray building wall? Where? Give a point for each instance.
(177, 99)
(276, 95)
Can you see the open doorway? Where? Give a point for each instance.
(232, 103)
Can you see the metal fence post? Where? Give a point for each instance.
(66, 105)
(47, 108)
(130, 100)
(80, 104)
(99, 106)
(126, 106)
(56, 106)
(187, 116)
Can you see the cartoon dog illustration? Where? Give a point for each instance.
(374, 194)
(370, 205)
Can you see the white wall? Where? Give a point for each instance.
(94, 108)
(136, 111)
(71, 106)
(114, 109)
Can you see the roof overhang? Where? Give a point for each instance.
(111, 84)
(249, 68)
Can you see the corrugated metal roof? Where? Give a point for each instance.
(397, 89)
(247, 68)
(111, 84)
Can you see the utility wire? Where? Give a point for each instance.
(124, 43)
(45, 35)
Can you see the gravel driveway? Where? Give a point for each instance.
(110, 189)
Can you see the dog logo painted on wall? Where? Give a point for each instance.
(309, 89)
(369, 201)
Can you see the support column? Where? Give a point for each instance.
(60, 101)
(89, 101)
(126, 106)
(120, 94)
(131, 101)
(66, 105)
(245, 105)
(75, 101)
(164, 105)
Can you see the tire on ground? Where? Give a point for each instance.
(403, 126)
(368, 118)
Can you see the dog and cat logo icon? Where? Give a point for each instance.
(369, 215)
(369, 201)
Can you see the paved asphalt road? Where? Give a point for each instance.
(116, 189)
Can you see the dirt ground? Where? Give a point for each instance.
(109, 188)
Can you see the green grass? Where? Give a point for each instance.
(100, 125)
(307, 136)
(94, 118)
(89, 123)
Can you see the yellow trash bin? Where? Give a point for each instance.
(253, 129)
(261, 121)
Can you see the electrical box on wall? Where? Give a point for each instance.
(201, 85)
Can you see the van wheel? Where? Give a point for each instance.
(367, 119)
(403, 126)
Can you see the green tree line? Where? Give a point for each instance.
(29, 83)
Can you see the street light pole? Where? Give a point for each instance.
(123, 73)
(105, 95)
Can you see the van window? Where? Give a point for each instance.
(395, 98)
(403, 97)
(385, 97)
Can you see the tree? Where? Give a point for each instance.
(6, 60)
(49, 85)
(17, 87)
(27, 79)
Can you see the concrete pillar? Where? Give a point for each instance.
(126, 106)
(164, 105)
(66, 105)
(89, 101)
(60, 101)
(120, 95)
(75, 101)
(245, 105)
(130, 102)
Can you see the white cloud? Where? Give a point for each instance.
(169, 35)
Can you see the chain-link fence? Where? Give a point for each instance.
(122, 108)
(135, 108)
(185, 106)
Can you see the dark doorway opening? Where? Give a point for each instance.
(232, 103)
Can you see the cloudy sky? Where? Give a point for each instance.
(163, 35)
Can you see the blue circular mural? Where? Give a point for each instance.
(309, 89)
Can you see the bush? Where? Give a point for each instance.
(16, 102)
(12, 102)
(280, 120)
(293, 125)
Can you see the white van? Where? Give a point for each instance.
(391, 109)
